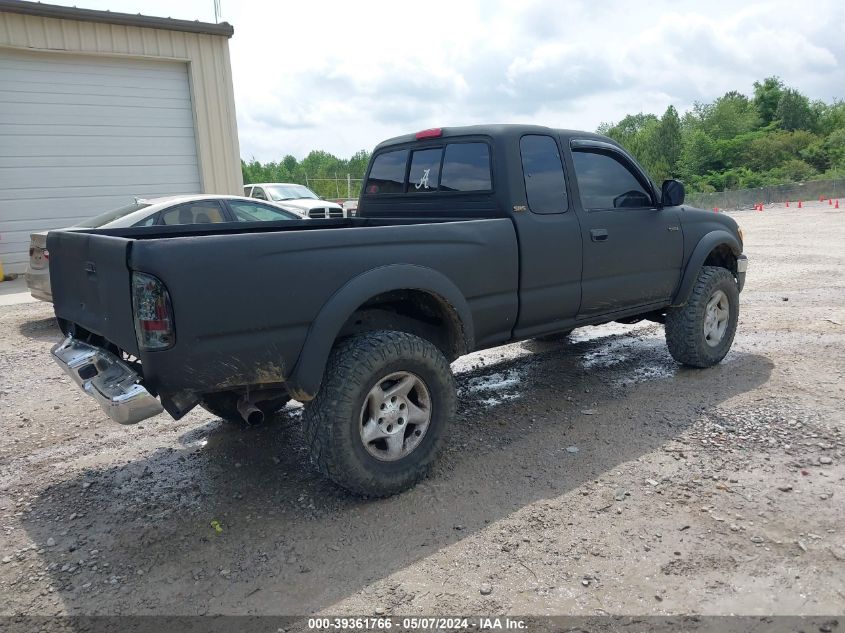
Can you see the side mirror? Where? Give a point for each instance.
(672, 193)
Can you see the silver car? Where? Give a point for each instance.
(193, 209)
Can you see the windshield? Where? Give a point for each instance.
(109, 216)
(290, 192)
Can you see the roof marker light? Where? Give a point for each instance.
(434, 132)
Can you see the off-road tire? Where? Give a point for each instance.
(685, 324)
(225, 406)
(332, 420)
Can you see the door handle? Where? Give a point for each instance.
(598, 235)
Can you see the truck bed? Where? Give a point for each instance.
(245, 296)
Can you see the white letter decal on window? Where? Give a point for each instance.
(423, 181)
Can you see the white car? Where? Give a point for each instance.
(188, 209)
(297, 198)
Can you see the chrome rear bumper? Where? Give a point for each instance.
(107, 379)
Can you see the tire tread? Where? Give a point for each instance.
(350, 363)
(684, 325)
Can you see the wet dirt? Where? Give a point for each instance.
(584, 477)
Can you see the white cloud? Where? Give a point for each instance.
(342, 76)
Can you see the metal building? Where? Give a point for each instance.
(97, 107)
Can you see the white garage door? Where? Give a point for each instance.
(80, 135)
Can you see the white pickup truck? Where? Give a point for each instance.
(296, 198)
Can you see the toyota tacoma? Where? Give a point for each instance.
(465, 238)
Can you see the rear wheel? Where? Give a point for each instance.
(700, 333)
(378, 422)
(225, 406)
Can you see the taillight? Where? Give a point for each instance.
(46, 254)
(153, 313)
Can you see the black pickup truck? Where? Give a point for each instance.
(465, 238)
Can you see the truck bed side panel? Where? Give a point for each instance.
(243, 304)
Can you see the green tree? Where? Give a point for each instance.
(794, 111)
(669, 140)
(767, 96)
(730, 115)
(323, 172)
(766, 152)
(698, 155)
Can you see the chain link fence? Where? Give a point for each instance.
(747, 198)
(350, 188)
(344, 187)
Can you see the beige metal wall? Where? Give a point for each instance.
(209, 72)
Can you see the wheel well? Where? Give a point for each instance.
(417, 312)
(723, 257)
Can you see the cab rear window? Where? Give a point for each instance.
(387, 174)
(466, 167)
(457, 167)
(425, 170)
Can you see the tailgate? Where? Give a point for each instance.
(91, 284)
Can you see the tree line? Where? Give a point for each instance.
(775, 136)
(324, 173)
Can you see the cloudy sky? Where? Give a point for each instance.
(341, 76)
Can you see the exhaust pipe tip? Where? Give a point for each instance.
(250, 413)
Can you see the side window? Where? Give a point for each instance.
(198, 212)
(605, 182)
(466, 167)
(425, 170)
(258, 192)
(387, 175)
(256, 212)
(150, 221)
(542, 169)
(247, 190)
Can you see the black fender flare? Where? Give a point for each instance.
(704, 247)
(307, 374)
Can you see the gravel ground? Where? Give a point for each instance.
(588, 477)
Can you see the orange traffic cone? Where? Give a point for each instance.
(799, 204)
(821, 198)
(715, 209)
(836, 206)
(829, 202)
(787, 204)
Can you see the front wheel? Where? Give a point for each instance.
(701, 332)
(379, 419)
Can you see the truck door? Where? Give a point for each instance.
(549, 239)
(633, 249)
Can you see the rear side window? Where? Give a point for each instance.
(198, 212)
(466, 167)
(545, 185)
(387, 175)
(246, 211)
